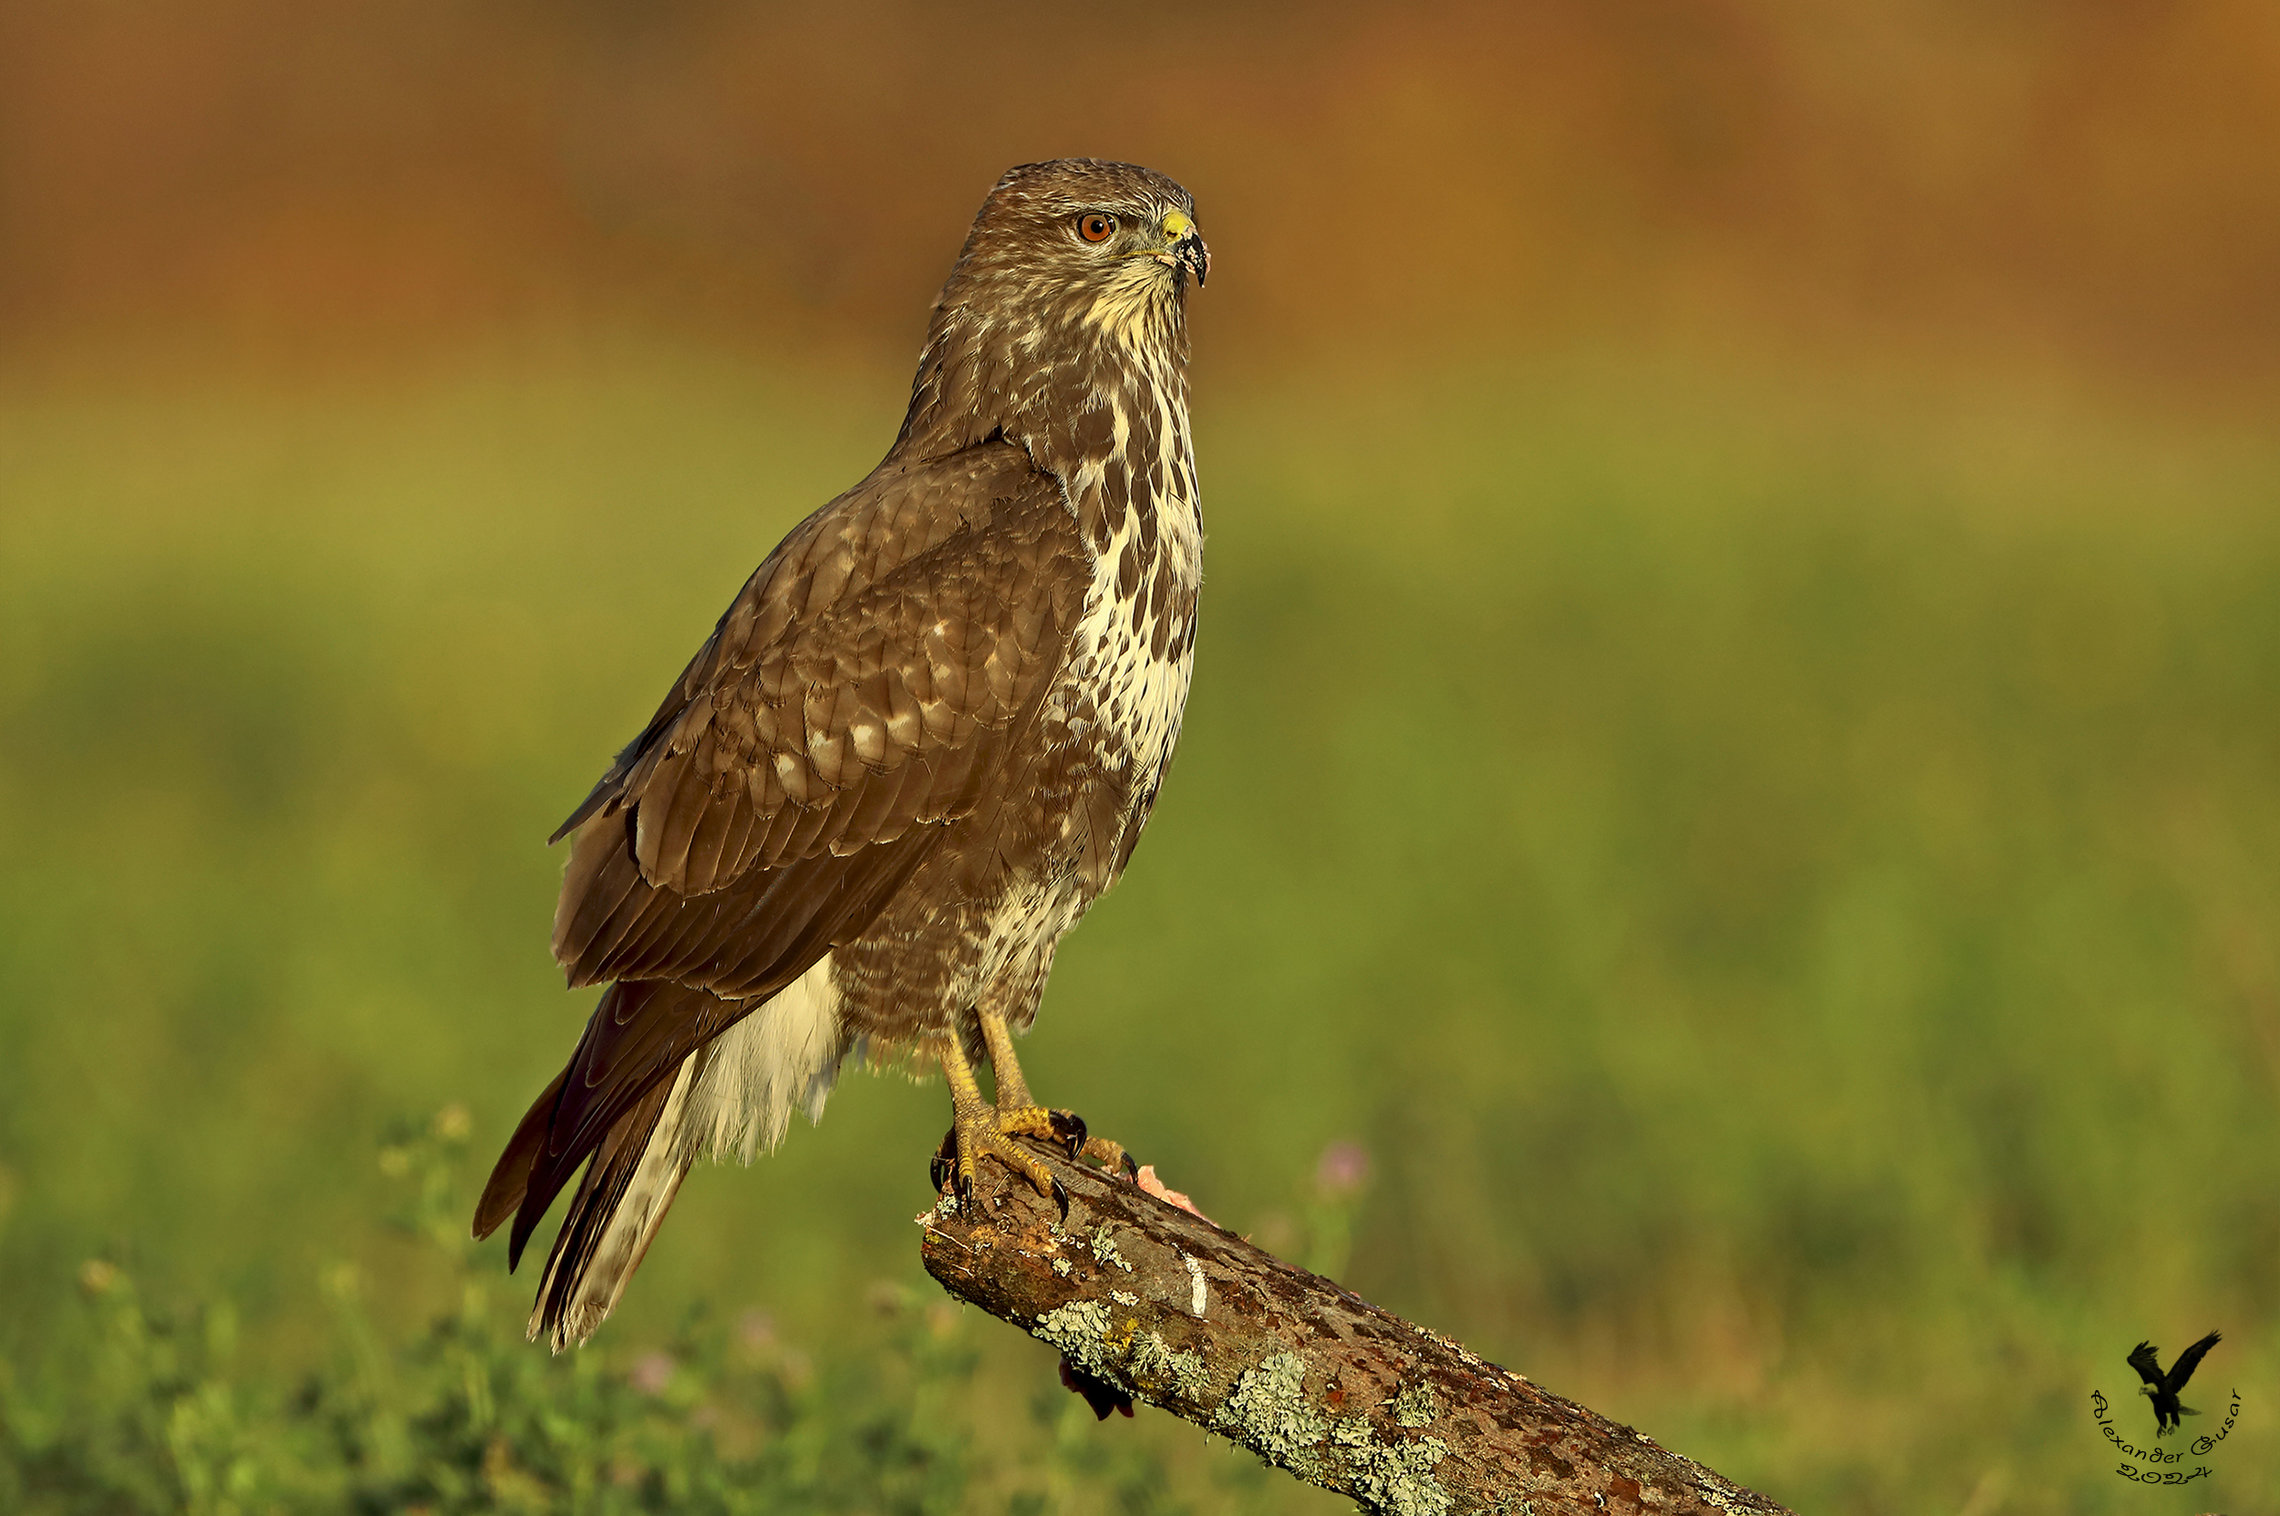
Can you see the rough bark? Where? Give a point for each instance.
(1165, 1306)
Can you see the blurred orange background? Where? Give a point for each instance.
(2093, 184)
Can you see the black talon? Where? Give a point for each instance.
(1131, 1168)
(1061, 1199)
(1103, 1397)
(945, 1162)
(1069, 1129)
(963, 1186)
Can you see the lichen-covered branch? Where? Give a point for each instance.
(1156, 1302)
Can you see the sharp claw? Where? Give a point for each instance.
(945, 1162)
(1103, 1397)
(957, 1159)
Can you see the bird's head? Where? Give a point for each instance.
(1073, 279)
(1081, 243)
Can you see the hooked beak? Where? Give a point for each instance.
(1184, 247)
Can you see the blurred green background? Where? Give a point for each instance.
(1734, 749)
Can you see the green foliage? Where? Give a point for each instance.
(150, 1414)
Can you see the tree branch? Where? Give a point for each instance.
(1153, 1301)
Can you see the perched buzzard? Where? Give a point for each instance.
(922, 739)
(2168, 1412)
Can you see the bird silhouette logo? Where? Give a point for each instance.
(2162, 1388)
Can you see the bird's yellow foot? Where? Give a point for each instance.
(1109, 1154)
(982, 1128)
(1064, 1129)
(988, 1131)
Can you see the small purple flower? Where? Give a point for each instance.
(1342, 1170)
(651, 1372)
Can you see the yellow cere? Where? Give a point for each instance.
(1177, 225)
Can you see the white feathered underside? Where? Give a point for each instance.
(1137, 694)
(734, 1097)
(781, 1058)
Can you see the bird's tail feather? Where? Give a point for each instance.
(732, 1095)
(628, 1187)
(510, 1177)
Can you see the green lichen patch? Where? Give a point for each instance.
(1080, 1330)
(1154, 1361)
(1415, 1406)
(1090, 1336)
(1394, 1477)
(1104, 1249)
(1268, 1413)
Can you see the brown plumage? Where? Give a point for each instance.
(922, 739)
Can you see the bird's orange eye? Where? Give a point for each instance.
(1095, 227)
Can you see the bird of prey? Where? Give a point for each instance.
(2163, 1388)
(921, 741)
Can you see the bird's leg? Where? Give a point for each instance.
(1019, 1114)
(1012, 1089)
(978, 1128)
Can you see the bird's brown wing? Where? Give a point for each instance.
(864, 688)
(868, 679)
(2145, 1359)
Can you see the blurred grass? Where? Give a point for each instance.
(1780, 877)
